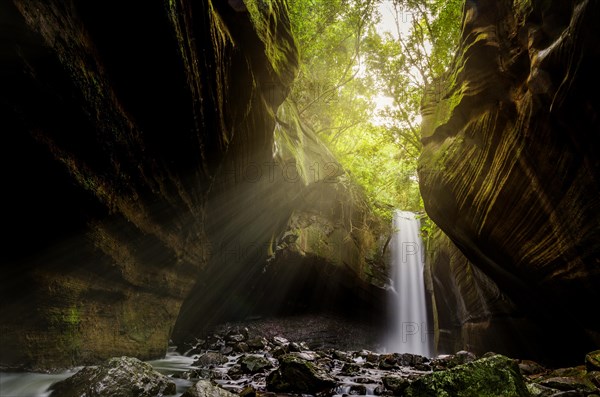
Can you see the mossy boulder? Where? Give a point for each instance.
(296, 375)
(117, 377)
(491, 376)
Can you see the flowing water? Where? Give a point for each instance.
(409, 330)
(32, 384)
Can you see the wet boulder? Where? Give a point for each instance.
(296, 375)
(117, 377)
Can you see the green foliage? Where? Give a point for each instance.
(346, 62)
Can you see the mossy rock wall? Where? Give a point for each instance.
(509, 169)
(118, 119)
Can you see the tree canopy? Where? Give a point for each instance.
(364, 65)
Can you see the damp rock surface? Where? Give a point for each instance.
(117, 377)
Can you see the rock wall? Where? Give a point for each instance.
(151, 173)
(116, 118)
(290, 233)
(510, 170)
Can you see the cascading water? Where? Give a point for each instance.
(408, 331)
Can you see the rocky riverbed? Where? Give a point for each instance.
(236, 361)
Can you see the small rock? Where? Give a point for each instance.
(241, 347)
(235, 371)
(592, 361)
(308, 356)
(235, 338)
(372, 357)
(204, 388)
(357, 390)
(279, 351)
(304, 346)
(594, 378)
(410, 360)
(294, 347)
(528, 367)
(461, 357)
(257, 343)
(350, 369)
(537, 390)
(364, 380)
(248, 391)
(296, 375)
(568, 383)
(210, 358)
(226, 350)
(280, 341)
(342, 356)
(574, 372)
(388, 362)
(122, 376)
(253, 363)
(395, 384)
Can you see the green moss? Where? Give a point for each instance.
(487, 377)
(270, 20)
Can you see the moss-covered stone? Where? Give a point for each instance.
(492, 376)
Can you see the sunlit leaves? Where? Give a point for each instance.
(346, 62)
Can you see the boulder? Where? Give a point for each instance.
(204, 388)
(491, 376)
(117, 377)
(296, 375)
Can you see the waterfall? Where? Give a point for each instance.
(408, 331)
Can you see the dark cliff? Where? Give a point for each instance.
(116, 119)
(154, 183)
(510, 170)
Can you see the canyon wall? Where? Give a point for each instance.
(510, 170)
(148, 164)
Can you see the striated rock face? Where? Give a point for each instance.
(510, 170)
(117, 119)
